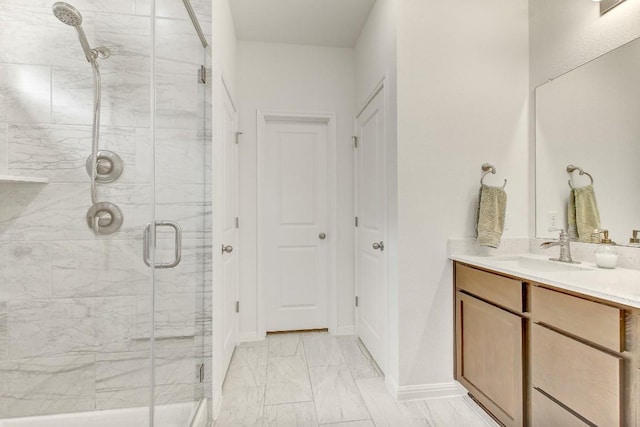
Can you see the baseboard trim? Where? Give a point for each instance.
(424, 391)
(344, 330)
(250, 337)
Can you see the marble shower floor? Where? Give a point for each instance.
(315, 379)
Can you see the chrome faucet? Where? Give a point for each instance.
(565, 248)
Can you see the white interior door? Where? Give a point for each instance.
(293, 223)
(229, 249)
(371, 209)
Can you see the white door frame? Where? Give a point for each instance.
(380, 89)
(332, 211)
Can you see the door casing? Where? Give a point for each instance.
(332, 200)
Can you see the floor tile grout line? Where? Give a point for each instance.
(313, 395)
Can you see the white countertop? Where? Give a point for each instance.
(619, 285)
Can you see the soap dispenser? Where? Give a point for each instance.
(606, 253)
(635, 240)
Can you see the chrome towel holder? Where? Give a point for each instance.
(572, 168)
(488, 168)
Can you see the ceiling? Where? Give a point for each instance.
(312, 22)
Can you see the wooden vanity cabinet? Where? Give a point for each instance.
(534, 355)
(577, 358)
(490, 342)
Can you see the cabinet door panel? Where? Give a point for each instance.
(547, 413)
(583, 378)
(490, 357)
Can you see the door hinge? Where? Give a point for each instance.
(238, 137)
(202, 372)
(355, 141)
(356, 301)
(202, 75)
(357, 221)
(237, 306)
(237, 222)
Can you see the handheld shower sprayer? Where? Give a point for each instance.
(69, 15)
(102, 217)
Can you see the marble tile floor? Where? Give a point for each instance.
(316, 379)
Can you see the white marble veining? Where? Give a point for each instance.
(98, 268)
(179, 49)
(59, 153)
(25, 92)
(322, 350)
(285, 345)
(174, 316)
(337, 400)
(53, 385)
(241, 407)
(177, 101)
(336, 395)
(619, 285)
(75, 308)
(455, 411)
(42, 328)
(4, 144)
(248, 368)
(357, 358)
(385, 411)
(25, 270)
(128, 37)
(290, 415)
(4, 349)
(287, 380)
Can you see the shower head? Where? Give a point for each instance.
(67, 14)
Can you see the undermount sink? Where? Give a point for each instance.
(537, 264)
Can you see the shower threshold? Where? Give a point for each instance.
(189, 414)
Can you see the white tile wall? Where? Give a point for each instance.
(75, 308)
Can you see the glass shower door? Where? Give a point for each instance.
(182, 211)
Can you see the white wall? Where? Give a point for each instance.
(375, 58)
(294, 78)
(462, 100)
(224, 43)
(566, 34)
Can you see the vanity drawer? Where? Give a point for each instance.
(581, 377)
(595, 322)
(547, 413)
(497, 289)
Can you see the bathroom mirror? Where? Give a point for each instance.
(590, 118)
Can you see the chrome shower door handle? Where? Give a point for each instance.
(177, 241)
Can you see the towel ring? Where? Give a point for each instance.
(487, 168)
(572, 168)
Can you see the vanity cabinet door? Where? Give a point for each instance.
(489, 357)
(581, 377)
(547, 413)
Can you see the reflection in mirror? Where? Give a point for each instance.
(590, 118)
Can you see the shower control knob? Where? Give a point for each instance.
(227, 249)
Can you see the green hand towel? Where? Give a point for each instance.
(583, 213)
(492, 205)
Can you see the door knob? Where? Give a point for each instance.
(378, 246)
(227, 249)
(322, 236)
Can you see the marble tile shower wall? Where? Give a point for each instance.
(75, 308)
